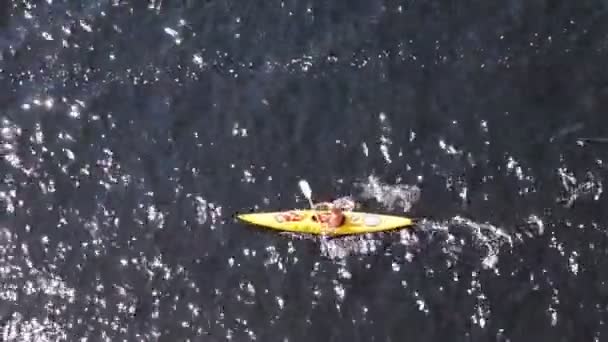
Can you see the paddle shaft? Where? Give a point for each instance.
(307, 191)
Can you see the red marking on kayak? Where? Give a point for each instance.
(291, 216)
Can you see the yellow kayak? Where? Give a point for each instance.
(305, 221)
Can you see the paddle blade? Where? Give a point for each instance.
(305, 188)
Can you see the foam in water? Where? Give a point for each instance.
(485, 238)
(390, 196)
(575, 188)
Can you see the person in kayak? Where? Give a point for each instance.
(336, 217)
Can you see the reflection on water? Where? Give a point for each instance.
(129, 135)
(44, 294)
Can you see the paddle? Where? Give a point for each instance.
(307, 191)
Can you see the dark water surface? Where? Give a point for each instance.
(131, 132)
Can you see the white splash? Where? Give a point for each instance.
(488, 236)
(365, 149)
(391, 196)
(449, 149)
(590, 186)
(339, 249)
(174, 34)
(198, 60)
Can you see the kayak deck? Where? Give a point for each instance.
(307, 221)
